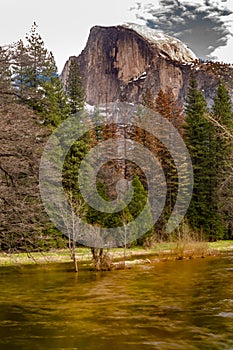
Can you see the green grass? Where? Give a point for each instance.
(61, 255)
(222, 246)
(84, 254)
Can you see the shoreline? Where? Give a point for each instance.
(161, 252)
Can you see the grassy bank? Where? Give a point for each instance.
(160, 252)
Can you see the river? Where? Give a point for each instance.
(183, 305)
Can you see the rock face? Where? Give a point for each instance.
(119, 63)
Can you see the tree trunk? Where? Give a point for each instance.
(73, 257)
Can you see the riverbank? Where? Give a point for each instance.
(138, 255)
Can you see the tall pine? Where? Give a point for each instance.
(74, 88)
(136, 206)
(222, 113)
(36, 81)
(201, 141)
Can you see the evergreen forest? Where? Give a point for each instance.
(34, 102)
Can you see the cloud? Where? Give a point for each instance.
(204, 28)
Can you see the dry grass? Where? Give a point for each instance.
(189, 244)
(190, 249)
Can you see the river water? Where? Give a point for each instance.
(167, 306)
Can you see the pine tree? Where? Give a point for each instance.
(136, 206)
(94, 216)
(42, 65)
(201, 141)
(222, 107)
(74, 88)
(222, 113)
(55, 106)
(32, 67)
(72, 162)
(168, 107)
(36, 80)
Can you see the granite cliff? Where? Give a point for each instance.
(119, 63)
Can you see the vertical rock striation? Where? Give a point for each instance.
(119, 63)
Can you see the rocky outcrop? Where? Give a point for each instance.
(119, 63)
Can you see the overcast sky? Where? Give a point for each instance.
(65, 25)
(203, 26)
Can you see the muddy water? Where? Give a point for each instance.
(173, 305)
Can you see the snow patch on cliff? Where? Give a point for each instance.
(171, 48)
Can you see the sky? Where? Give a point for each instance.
(65, 25)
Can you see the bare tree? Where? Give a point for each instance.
(72, 223)
(22, 215)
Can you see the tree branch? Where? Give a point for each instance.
(216, 123)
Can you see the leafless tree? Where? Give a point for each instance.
(22, 215)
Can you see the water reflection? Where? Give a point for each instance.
(173, 305)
